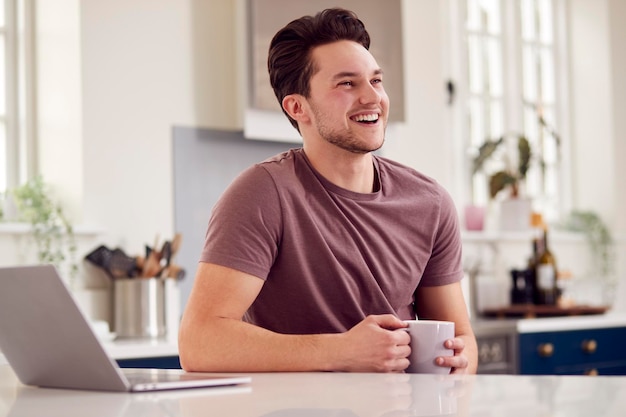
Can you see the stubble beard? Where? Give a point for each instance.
(345, 139)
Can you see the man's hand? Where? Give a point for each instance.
(459, 361)
(446, 303)
(376, 344)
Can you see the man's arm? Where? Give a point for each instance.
(213, 337)
(446, 302)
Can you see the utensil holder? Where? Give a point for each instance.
(139, 308)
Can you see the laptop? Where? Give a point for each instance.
(49, 343)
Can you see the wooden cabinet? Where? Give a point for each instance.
(597, 351)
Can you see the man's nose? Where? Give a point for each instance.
(371, 94)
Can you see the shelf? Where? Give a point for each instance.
(529, 311)
(521, 236)
(16, 228)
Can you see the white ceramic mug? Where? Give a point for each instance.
(427, 338)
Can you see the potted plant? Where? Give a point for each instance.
(601, 246)
(52, 231)
(513, 174)
(599, 240)
(512, 167)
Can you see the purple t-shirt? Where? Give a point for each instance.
(329, 256)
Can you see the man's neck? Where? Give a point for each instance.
(351, 171)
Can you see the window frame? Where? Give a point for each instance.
(20, 86)
(513, 107)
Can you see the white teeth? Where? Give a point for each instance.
(366, 118)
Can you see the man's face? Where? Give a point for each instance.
(348, 104)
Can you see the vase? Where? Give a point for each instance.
(474, 217)
(515, 214)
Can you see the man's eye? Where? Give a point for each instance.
(377, 81)
(347, 83)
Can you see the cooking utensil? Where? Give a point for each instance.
(114, 262)
(175, 272)
(151, 266)
(166, 254)
(176, 242)
(121, 265)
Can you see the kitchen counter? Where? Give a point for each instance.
(134, 349)
(337, 395)
(555, 324)
(141, 348)
(550, 324)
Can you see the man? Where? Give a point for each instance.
(315, 257)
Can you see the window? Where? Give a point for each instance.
(16, 92)
(506, 74)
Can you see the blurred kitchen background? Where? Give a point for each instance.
(137, 114)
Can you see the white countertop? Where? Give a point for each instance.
(337, 395)
(134, 348)
(550, 324)
(555, 324)
(141, 348)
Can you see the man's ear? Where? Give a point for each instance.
(296, 107)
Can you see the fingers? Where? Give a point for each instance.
(457, 344)
(388, 321)
(459, 361)
(378, 344)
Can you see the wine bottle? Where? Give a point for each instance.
(531, 271)
(537, 248)
(545, 274)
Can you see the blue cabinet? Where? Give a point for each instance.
(162, 362)
(573, 352)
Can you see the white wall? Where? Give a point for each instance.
(617, 16)
(423, 141)
(591, 104)
(598, 104)
(136, 68)
(618, 63)
(59, 95)
(147, 66)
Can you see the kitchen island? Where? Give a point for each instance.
(337, 395)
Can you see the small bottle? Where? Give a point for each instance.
(545, 275)
(521, 288)
(531, 276)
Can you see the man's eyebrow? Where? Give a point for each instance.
(349, 74)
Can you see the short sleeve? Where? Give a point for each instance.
(445, 263)
(245, 225)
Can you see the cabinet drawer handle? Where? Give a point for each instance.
(589, 346)
(545, 350)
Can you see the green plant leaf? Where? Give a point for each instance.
(523, 147)
(599, 238)
(484, 152)
(499, 181)
(52, 231)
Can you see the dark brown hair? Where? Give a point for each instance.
(289, 61)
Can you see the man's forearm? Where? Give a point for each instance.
(229, 345)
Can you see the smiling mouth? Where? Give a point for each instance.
(366, 118)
